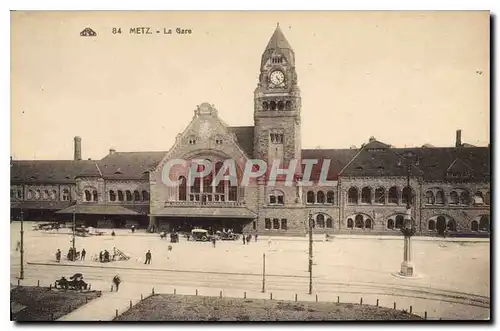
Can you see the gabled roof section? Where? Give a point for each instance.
(126, 165)
(48, 171)
(338, 159)
(376, 159)
(244, 135)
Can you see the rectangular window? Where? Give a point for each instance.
(283, 224)
(276, 224)
(268, 223)
(272, 199)
(281, 201)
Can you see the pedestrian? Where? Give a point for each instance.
(82, 255)
(213, 241)
(148, 257)
(113, 233)
(101, 255)
(18, 246)
(244, 239)
(58, 255)
(269, 242)
(249, 237)
(106, 256)
(117, 281)
(256, 237)
(133, 228)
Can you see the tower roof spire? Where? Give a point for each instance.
(278, 40)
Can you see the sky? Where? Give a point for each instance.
(405, 78)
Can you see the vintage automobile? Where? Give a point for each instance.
(76, 282)
(46, 226)
(227, 235)
(199, 235)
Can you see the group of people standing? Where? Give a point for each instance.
(248, 238)
(72, 255)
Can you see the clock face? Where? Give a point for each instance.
(277, 77)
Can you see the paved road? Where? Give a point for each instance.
(437, 302)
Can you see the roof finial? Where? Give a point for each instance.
(278, 24)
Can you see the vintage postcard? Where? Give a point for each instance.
(250, 166)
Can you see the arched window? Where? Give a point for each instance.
(429, 198)
(453, 198)
(484, 223)
(272, 105)
(393, 195)
(30, 195)
(350, 223)
(233, 193)
(368, 224)
(53, 194)
(451, 225)
(487, 198)
(145, 195)
(440, 197)
(20, 194)
(137, 196)
(320, 196)
(94, 195)
(432, 225)
(265, 105)
(330, 197)
(88, 197)
(320, 220)
(407, 195)
(478, 198)
(464, 198)
(352, 195)
(399, 222)
(390, 223)
(380, 195)
(128, 194)
(288, 105)
(474, 226)
(329, 223)
(182, 189)
(366, 195)
(359, 221)
(65, 195)
(310, 197)
(45, 194)
(112, 195)
(281, 105)
(120, 195)
(276, 197)
(37, 194)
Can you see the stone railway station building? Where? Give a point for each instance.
(366, 192)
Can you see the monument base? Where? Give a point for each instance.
(407, 269)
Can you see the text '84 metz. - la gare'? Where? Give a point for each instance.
(365, 193)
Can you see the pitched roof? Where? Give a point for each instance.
(125, 165)
(278, 40)
(278, 44)
(379, 159)
(109, 209)
(47, 171)
(244, 135)
(338, 159)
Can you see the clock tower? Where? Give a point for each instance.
(277, 104)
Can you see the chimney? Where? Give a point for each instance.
(458, 141)
(112, 151)
(78, 149)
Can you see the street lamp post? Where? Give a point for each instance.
(310, 252)
(73, 257)
(21, 273)
(408, 229)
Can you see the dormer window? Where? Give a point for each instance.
(118, 171)
(192, 140)
(218, 140)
